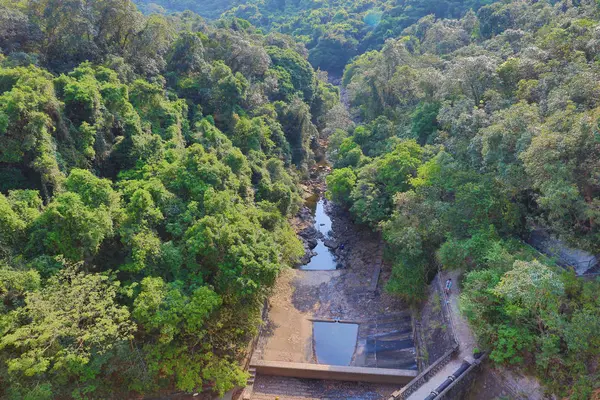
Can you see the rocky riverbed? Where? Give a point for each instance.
(352, 293)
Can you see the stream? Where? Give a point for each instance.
(323, 258)
(354, 323)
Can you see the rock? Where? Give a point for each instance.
(305, 214)
(311, 243)
(309, 233)
(330, 243)
(305, 259)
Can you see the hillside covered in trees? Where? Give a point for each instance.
(211, 9)
(476, 131)
(333, 31)
(148, 166)
(151, 159)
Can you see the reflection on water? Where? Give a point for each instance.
(322, 220)
(334, 342)
(325, 259)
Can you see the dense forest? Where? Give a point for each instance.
(333, 31)
(148, 166)
(151, 159)
(210, 9)
(475, 131)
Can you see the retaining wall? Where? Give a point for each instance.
(581, 261)
(334, 372)
(424, 376)
(435, 366)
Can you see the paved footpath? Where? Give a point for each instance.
(464, 336)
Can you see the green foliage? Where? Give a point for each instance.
(379, 180)
(62, 326)
(171, 160)
(71, 228)
(507, 142)
(166, 309)
(533, 312)
(408, 279)
(340, 184)
(206, 8)
(12, 225)
(302, 76)
(25, 123)
(169, 150)
(334, 31)
(424, 122)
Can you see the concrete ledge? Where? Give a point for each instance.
(334, 372)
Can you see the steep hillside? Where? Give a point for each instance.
(148, 169)
(333, 31)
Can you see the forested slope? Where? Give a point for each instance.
(476, 131)
(333, 31)
(205, 8)
(148, 166)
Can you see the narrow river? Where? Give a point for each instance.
(324, 259)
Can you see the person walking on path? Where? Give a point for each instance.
(448, 286)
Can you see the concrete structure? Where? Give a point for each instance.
(334, 372)
(429, 380)
(579, 260)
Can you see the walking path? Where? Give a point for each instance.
(462, 333)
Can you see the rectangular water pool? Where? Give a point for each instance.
(335, 342)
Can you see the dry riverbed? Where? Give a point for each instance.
(352, 293)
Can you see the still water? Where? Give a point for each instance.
(334, 342)
(325, 259)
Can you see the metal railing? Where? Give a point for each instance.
(442, 361)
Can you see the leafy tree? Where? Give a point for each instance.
(187, 54)
(71, 228)
(424, 122)
(62, 326)
(26, 127)
(340, 184)
(302, 75)
(163, 307)
(182, 183)
(529, 285)
(379, 180)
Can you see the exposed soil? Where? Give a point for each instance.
(288, 330)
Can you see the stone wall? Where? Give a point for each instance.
(581, 261)
(434, 339)
(433, 329)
